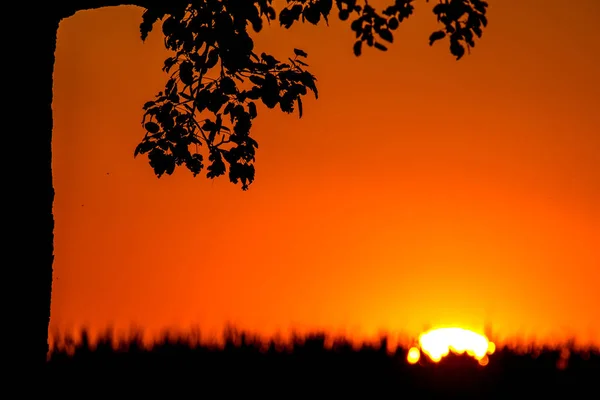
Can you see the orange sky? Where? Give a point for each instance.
(417, 190)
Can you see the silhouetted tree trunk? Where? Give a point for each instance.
(27, 135)
(27, 158)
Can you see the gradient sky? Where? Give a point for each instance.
(416, 191)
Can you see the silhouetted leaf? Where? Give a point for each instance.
(217, 100)
(217, 166)
(194, 164)
(308, 80)
(484, 20)
(163, 144)
(208, 125)
(169, 62)
(299, 99)
(151, 127)
(257, 24)
(269, 60)
(161, 162)
(227, 85)
(480, 5)
(170, 87)
(325, 8)
(270, 92)
(296, 11)
(300, 53)
(186, 73)
(457, 49)
(254, 93)
(144, 147)
(356, 26)
(386, 35)
(357, 48)
(379, 46)
(437, 35)
(312, 13)
(285, 18)
(440, 8)
(468, 37)
(257, 80)
(252, 109)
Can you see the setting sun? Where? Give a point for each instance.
(437, 343)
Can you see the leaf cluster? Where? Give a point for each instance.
(462, 20)
(216, 79)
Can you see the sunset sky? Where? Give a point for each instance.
(416, 191)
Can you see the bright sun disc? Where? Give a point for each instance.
(438, 343)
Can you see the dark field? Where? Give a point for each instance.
(310, 367)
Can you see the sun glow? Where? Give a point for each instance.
(438, 343)
(413, 355)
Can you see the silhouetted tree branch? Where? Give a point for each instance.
(212, 36)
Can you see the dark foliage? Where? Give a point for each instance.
(217, 78)
(246, 366)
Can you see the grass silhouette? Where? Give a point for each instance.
(314, 365)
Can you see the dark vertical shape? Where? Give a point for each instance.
(43, 220)
(29, 222)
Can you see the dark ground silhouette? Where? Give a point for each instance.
(179, 367)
